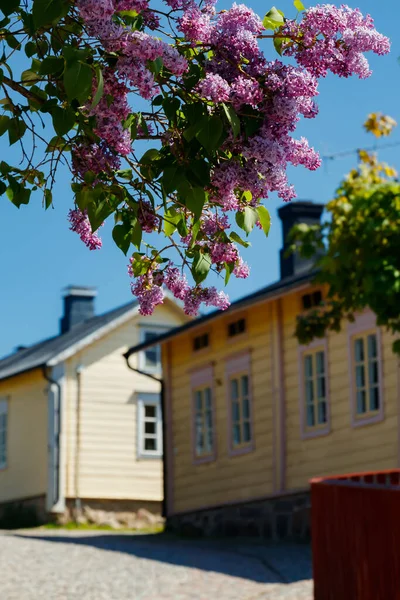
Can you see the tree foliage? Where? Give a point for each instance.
(360, 243)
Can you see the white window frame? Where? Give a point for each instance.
(142, 355)
(146, 399)
(3, 449)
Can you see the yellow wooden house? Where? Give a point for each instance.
(77, 427)
(252, 416)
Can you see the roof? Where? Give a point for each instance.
(55, 349)
(266, 293)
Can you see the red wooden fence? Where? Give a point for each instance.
(356, 536)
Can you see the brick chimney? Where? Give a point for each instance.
(292, 213)
(78, 306)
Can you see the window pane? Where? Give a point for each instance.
(199, 442)
(234, 389)
(320, 363)
(309, 392)
(236, 435)
(322, 413)
(150, 444)
(360, 376)
(150, 427)
(308, 370)
(199, 403)
(310, 415)
(150, 410)
(372, 346)
(208, 419)
(246, 408)
(374, 398)
(361, 402)
(245, 385)
(246, 431)
(207, 395)
(359, 350)
(151, 355)
(373, 375)
(209, 442)
(321, 387)
(235, 412)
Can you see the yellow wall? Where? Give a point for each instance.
(26, 471)
(108, 462)
(228, 478)
(345, 448)
(259, 473)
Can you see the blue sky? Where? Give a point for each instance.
(40, 256)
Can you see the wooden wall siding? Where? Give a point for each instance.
(226, 479)
(26, 471)
(108, 465)
(344, 449)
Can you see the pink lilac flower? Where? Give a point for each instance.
(210, 296)
(212, 224)
(214, 88)
(246, 91)
(333, 39)
(94, 157)
(176, 282)
(80, 224)
(242, 269)
(136, 5)
(148, 293)
(146, 217)
(223, 252)
(195, 25)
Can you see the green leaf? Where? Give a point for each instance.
(273, 19)
(48, 198)
(100, 87)
(78, 81)
(209, 132)
(16, 129)
(299, 5)
(193, 197)
(17, 193)
(57, 143)
(136, 236)
(233, 119)
(247, 219)
(4, 122)
(148, 167)
(236, 238)
(63, 120)
(171, 218)
(201, 266)
(172, 178)
(29, 77)
(46, 11)
(264, 218)
(51, 65)
(155, 66)
(9, 6)
(228, 271)
(171, 107)
(122, 236)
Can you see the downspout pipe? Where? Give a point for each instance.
(58, 424)
(78, 503)
(160, 380)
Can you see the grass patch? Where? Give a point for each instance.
(72, 526)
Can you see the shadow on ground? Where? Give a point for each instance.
(255, 561)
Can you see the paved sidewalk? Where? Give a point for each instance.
(65, 565)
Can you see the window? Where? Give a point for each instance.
(201, 341)
(311, 300)
(3, 433)
(203, 427)
(236, 327)
(150, 359)
(315, 388)
(365, 367)
(204, 437)
(366, 373)
(239, 404)
(149, 426)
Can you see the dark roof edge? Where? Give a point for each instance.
(265, 293)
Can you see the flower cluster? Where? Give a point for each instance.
(80, 224)
(258, 101)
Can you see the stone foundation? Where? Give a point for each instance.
(26, 512)
(281, 518)
(117, 514)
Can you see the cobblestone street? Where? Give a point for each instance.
(65, 565)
